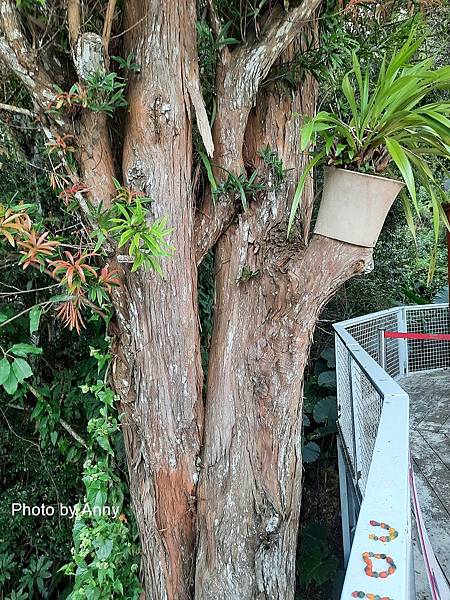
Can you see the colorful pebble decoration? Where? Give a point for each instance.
(370, 596)
(383, 538)
(367, 556)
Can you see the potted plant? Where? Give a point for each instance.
(390, 123)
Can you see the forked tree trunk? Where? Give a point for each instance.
(215, 482)
(250, 486)
(245, 511)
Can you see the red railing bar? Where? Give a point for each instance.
(417, 336)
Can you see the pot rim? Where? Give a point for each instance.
(370, 175)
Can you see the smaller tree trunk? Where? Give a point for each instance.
(250, 488)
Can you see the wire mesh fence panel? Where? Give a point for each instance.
(425, 355)
(367, 334)
(367, 405)
(373, 416)
(344, 394)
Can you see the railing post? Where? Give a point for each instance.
(345, 503)
(402, 344)
(352, 412)
(382, 348)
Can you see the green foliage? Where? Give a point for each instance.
(29, 5)
(242, 187)
(102, 92)
(324, 55)
(127, 64)
(14, 368)
(320, 406)
(44, 426)
(205, 296)
(241, 17)
(105, 93)
(318, 565)
(34, 576)
(104, 558)
(247, 273)
(127, 223)
(388, 122)
(310, 452)
(19, 595)
(275, 165)
(8, 565)
(208, 50)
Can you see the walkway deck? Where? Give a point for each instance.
(430, 449)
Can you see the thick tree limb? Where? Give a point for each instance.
(73, 20)
(17, 55)
(95, 155)
(253, 60)
(210, 223)
(239, 76)
(107, 26)
(192, 83)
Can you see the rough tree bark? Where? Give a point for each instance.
(158, 375)
(215, 481)
(250, 487)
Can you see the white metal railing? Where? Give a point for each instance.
(373, 445)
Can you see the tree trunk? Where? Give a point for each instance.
(158, 371)
(250, 489)
(215, 482)
(249, 453)
(250, 486)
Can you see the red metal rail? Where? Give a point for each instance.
(417, 336)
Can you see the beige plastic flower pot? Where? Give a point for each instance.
(354, 206)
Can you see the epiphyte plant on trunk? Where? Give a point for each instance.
(389, 123)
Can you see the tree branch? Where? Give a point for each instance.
(192, 83)
(107, 27)
(211, 222)
(253, 60)
(62, 422)
(73, 20)
(95, 152)
(17, 55)
(239, 76)
(17, 109)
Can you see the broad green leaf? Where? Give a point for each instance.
(125, 237)
(310, 452)
(104, 549)
(5, 368)
(10, 385)
(350, 95)
(404, 165)
(21, 369)
(409, 215)
(300, 187)
(325, 410)
(35, 317)
(209, 172)
(318, 567)
(24, 349)
(327, 379)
